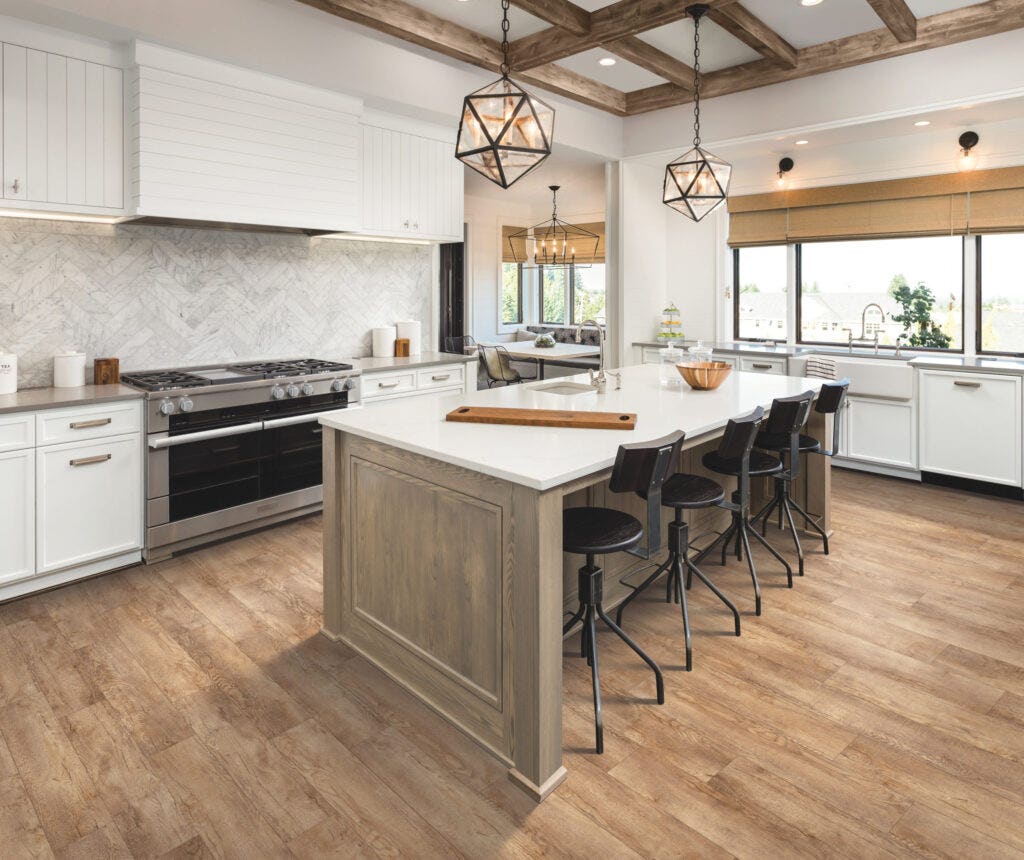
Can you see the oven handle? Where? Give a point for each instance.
(202, 435)
(309, 417)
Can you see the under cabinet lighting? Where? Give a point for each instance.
(356, 237)
(61, 216)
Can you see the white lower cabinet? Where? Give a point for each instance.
(17, 524)
(89, 501)
(759, 364)
(970, 426)
(417, 382)
(879, 432)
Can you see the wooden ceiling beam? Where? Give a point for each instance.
(412, 24)
(752, 31)
(896, 15)
(559, 13)
(935, 31)
(640, 53)
(621, 19)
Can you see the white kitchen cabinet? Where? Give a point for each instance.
(970, 425)
(63, 131)
(412, 185)
(89, 501)
(417, 382)
(17, 523)
(879, 432)
(762, 364)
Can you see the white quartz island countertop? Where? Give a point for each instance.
(546, 457)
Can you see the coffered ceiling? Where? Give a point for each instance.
(558, 44)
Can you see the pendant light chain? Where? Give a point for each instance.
(506, 69)
(696, 81)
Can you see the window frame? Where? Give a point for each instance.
(736, 295)
(977, 305)
(519, 296)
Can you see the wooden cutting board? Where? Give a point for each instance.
(544, 417)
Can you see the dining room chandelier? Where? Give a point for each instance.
(504, 132)
(554, 244)
(697, 182)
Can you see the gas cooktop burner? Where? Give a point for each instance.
(163, 380)
(298, 367)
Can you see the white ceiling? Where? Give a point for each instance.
(801, 26)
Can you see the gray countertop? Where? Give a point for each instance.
(425, 359)
(971, 364)
(29, 399)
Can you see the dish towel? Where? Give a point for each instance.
(822, 368)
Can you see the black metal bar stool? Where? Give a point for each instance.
(683, 492)
(830, 401)
(595, 531)
(735, 456)
(781, 435)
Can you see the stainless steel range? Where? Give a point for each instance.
(232, 448)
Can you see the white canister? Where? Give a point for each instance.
(384, 341)
(69, 370)
(412, 330)
(8, 373)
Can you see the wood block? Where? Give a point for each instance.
(106, 371)
(402, 347)
(544, 417)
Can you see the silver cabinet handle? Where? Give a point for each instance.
(964, 384)
(16, 186)
(83, 425)
(441, 377)
(761, 366)
(202, 435)
(388, 384)
(85, 461)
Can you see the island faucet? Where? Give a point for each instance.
(600, 380)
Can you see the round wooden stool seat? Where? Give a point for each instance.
(691, 491)
(780, 442)
(596, 531)
(760, 464)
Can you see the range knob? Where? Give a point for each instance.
(185, 404)
(293, 391)
(337, 385)
(307, 388)
(166, 407)
(277, 392)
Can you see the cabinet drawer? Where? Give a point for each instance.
(88, 422)
(445, 376)
(88, 501)
(970, 426)
(17, 431)
(388, 383)
(763, 365)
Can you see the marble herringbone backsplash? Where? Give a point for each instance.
(162, 296)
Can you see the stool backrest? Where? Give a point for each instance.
(830, 402)
(789, 414)
(740, 433)
(642, 467)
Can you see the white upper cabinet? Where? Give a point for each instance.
(214, 142)
(412, 183)
(63, 132)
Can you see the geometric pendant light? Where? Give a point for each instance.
(504, 132)
(554, 244)
(697, 182)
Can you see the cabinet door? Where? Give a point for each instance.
(970, 426)
(881, 432)
(15, 113)
(89, 501)
(17, 524)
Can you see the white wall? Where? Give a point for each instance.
(643, 257)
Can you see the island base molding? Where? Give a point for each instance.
(454, 584)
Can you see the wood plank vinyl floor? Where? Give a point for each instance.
(191, 709)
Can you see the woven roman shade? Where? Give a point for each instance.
(520, 244)
(950, 204)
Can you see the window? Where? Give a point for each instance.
(511, 293)
(889, 287)
(588, 294)
(1001, 293)
(554, 289)
(760, 276)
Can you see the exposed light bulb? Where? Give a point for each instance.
(967, 159)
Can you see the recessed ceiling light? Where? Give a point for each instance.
(607, 61)
(921, 123)
(810, 2)
(801, 142)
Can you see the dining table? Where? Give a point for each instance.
(527, 351)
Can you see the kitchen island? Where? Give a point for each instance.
(443, 560)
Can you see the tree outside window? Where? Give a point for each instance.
(588, 294)
(511, 294)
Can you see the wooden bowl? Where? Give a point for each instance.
(704, 375)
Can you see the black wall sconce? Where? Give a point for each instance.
(785, 165)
